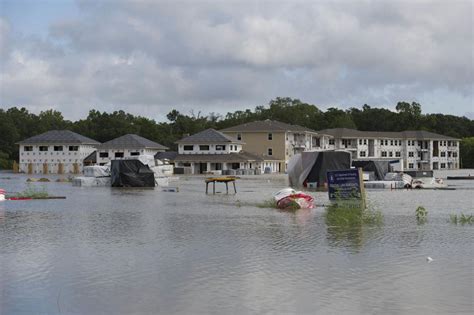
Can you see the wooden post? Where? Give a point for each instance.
(235, 190)
(226, 188)
(214, 187)
(207, 186)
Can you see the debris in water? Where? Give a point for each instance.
(429, 259)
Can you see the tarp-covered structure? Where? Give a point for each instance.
(380, 168)
(311, 167)
(131, 173)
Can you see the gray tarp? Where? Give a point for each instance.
(380, 168)
(312, 166)
(131, 173)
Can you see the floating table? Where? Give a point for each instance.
(225, 180)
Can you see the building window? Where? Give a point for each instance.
(391, 142)
(119, 154)
(443, 154)
(331, 141)
(455, 154)
(365, 141)
(28, 148)
(58, 148)
(411, 165)
(360, 141)
(362, 153)
(239, 136)
(104, 154)
(384, 153)
(188, 147)
(398, 154)
(73, 148)
(443, 165)
(134, 153)
(270, 151)
(206, 147)
(390, 154)
(270, 136)
(411, 154)
(43, 148)
(220, 147)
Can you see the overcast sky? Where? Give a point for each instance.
(148, 57)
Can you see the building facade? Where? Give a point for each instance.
(416, 150)
(213, 151)
(126, 147)
(278, 140)
(55, 152)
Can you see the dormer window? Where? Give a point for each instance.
(220, 147)
(239, 136)
(204, 147)
(270, 136)
(28, 148)
(188, 147)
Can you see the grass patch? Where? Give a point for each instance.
(421, 215)
(32, 192)
(272, 204)
(346, 214)
(269, 203)
(461, 219)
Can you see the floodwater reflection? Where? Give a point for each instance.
(122, 251)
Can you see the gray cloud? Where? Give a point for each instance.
(219, 56)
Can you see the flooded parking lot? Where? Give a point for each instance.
(123, 251)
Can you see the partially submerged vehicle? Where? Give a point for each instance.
(428, 183)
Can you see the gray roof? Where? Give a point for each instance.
(409, 134)
(228, 158)
(59, 136)
(131, 141)
(266, 126)
(208, 136)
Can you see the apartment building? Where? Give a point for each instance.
(55, 152)
(211, 150)
(417, 150)
(127, 146)
(278, 140)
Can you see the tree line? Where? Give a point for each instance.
(17, 124)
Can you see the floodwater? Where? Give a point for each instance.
(136, 251)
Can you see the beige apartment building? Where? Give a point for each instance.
(278, 140)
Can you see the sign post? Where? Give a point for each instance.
(346, 185)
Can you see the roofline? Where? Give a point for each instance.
(52, 143)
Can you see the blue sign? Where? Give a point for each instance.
(345, 184)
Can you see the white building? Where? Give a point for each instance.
(277, 139)
(417, 150)
(211, 150)
(55, 152)
(127, 146)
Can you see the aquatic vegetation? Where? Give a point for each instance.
(269, 203)
(352, 214)
(32, 192)
(461, 219)
(421, 214)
